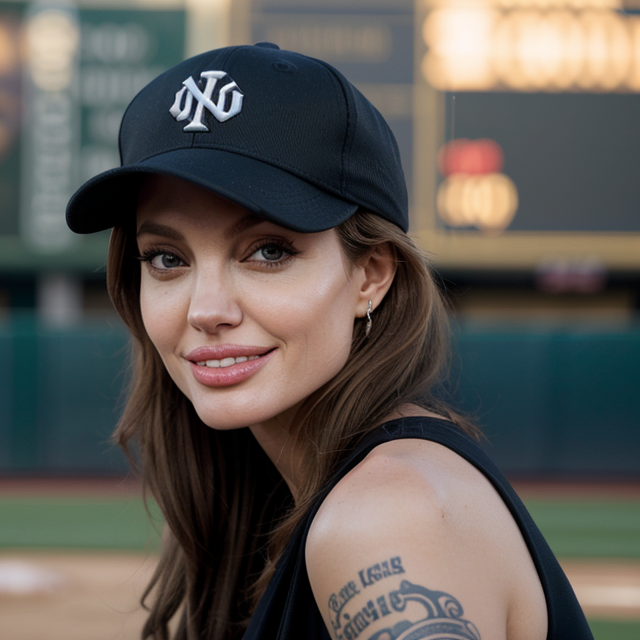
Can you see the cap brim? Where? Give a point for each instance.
(109, 199)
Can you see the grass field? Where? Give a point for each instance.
(589, 529)
(78, 523)
(598, 530)
(615, 629)
(574, 528)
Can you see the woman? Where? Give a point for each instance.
(288, 339)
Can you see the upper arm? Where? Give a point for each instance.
(389, 551)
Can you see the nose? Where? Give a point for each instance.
(213, 305)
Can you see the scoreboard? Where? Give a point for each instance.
(556, 90)
(67, 72)
(516, 120)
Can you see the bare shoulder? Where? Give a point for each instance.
(415, 532)
(417, 480)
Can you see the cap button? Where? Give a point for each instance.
(267, 45)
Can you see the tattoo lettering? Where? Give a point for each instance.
(382, 570)
(443, 616)
(354, 626)
(337, 601)
(348, 627)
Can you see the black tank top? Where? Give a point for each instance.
(288, 611)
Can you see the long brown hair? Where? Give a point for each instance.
(228, 513)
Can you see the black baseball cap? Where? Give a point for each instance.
(282, 134)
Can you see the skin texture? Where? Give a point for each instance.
(214, 274)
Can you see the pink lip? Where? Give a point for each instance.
(221, 351)
(234, 374)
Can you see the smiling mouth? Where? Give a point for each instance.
(225, 362)
(229, 362)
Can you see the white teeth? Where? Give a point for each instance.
(225, 362)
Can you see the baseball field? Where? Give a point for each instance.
(75, 555)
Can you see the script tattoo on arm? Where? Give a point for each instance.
(442, 616)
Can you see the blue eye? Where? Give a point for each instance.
(167, 260)
(271, 252)
(162, 260)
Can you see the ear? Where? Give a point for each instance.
(378, 271)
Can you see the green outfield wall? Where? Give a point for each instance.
(552, 401)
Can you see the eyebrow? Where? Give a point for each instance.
(156, 229)
(243, 224)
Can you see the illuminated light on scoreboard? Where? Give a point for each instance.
(474, 193)
(488, 202)
(470, 156)
(460, 41)
(481, 48)
(560, 275)
(51, 135)
(52, 39)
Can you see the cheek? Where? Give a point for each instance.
(160, 314)
(314, 317)
(149, 310)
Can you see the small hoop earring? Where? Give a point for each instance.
(367, 329)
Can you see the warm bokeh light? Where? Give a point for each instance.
(484, 47)
(633, 79)
(8, 48)
(460, 46)
(52, 38)
(608, 50)
(488, 202)
(474, 193)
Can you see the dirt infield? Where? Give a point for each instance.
(606, 589)
(94, 596)
(577, 489)
(73, 596)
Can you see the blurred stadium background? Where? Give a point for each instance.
(518, 127)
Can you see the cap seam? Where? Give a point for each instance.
(336, 80)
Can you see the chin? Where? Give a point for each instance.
(226, 418)
(252, 410)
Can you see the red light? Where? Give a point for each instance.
(470, 157)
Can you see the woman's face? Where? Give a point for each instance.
(248, 317)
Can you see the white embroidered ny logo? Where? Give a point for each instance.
(191, 91)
